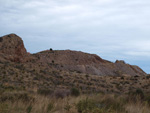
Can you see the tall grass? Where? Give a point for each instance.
(23, 102)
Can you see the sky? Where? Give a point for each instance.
(112, 29)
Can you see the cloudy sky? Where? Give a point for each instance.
(113, 29)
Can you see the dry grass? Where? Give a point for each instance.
(137, 108)
(96, 103)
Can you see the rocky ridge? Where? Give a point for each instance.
(12, 49)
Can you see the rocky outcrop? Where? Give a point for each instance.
(128, 69)
(12, 48)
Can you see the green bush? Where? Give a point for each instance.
(75, 92)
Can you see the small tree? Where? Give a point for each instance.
(51, 49)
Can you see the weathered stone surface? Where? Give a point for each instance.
(87, 63)
(12, 48)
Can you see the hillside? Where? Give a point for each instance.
(65, 81)
(12, 49)
(64, 69)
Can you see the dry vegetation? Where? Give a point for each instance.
(29, 76)
(44, 83)
(27, 88)
(25, 102)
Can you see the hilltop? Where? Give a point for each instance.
(12, 49)
(64, 69)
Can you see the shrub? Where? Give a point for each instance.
(75, 92)
(138, 94)
(122, 78)
(84, 106)
(139, 91)
(51, 49)
(13, 96)
(53, 61)
(59, 93)
(44, 92)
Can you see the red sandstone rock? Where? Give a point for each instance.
(13, 48)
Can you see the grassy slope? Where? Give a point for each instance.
(33, 77)
(21, 84)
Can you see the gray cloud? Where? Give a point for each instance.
(113, 29)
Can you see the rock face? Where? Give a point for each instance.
(12, 49)
(128, 69)
(87, 63)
